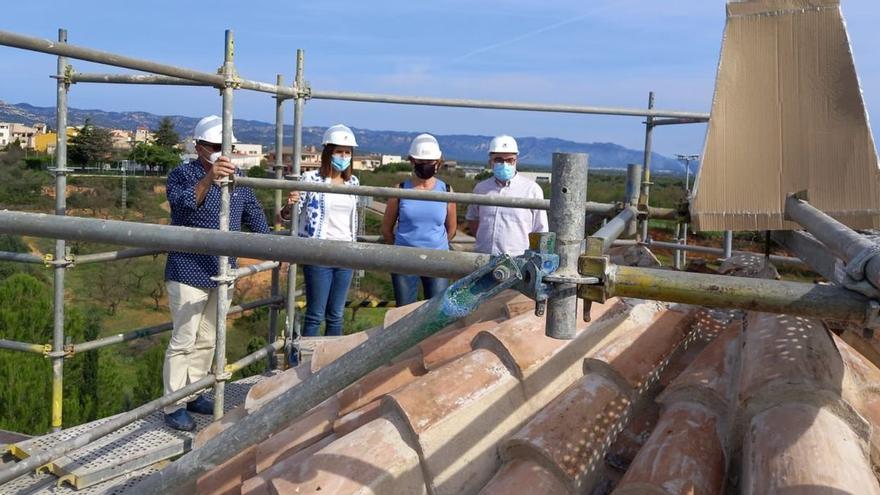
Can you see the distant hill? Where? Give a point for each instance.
(533, 151)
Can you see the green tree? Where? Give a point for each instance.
(166, 135)
(257, 172)
(26, 316)
(148, 383)
(155, 156)
(91, 145)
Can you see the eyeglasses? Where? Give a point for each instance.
(211, 146)
(510, 160)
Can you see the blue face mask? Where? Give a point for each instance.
(503, 171)
(340, 163)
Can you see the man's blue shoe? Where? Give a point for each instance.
(180, 420)
(200, 405)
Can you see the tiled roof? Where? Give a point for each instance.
(647, 399)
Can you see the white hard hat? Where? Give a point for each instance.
(210, 129)
(503, 144)
(340, 135)
(425, 147)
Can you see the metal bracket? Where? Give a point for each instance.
(47, 350)
(305, 92)
(49, 260)
(227, 280)
(594, 267)
(225, 376)
(537, 263)
(855, 269)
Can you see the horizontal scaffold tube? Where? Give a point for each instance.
(693, 248)
(22, 346)
(504, 105)
(602, 240)
(21, 257)
(115, 255)
(722, 291)
(162, 327)
(447, 197)
(114, 423)
(79, 77)
(404, 260)
(80, 53)
(842, 241)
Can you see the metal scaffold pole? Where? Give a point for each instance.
(278, 167)
(224, 281)
(646, 171)
(60, 248)
(567, 218)
(298, 104)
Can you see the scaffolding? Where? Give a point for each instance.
(562, 266)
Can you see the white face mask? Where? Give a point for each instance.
(214, 156)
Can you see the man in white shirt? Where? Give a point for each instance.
(501, 230)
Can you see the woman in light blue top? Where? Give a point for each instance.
(421, 224)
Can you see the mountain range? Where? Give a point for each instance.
(534, 151)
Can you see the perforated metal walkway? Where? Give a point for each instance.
(118, 461)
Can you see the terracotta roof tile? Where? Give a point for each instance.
(355, 419)
(373, 459)
(333, 349)
(305, 431)
(712, 377)
(638, 356)
(259, 484)
(548, 366)
(522, 343)
(394, 314)
(800, 448)
(452, 343)
(787, 355)
(524, 477)
(226, 479)
(457, 414)
(266, 390)
(684, 455)
(378, 383)
(571, 434)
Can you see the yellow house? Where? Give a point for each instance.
(45, 143)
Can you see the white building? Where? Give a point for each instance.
(366, 162)
(246, 156)
(5, 133)
(25, 135)
(386, 159)
(539, 177)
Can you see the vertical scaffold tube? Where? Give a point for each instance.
(60, 247)
(567, 217)
(276, 210)
(298, 104)
(646, 172)
(223, 279)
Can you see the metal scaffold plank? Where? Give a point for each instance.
(117, 461)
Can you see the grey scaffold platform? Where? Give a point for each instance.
(116, 462)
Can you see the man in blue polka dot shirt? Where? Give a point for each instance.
(192, 295)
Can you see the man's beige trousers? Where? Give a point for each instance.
(191, 349)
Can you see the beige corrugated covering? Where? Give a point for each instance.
(788, 115)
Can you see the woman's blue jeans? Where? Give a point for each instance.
(406, 287)
(326, 290)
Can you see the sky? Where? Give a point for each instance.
(597, 52)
